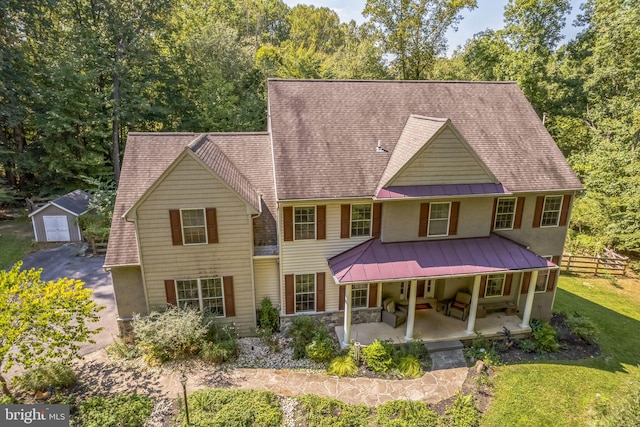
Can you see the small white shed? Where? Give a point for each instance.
(57, 221)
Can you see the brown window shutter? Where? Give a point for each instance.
(289, 293)
(506, 291)
(373, 295)
(424, 219)
(564, 213)
(493, 214)
(170, 292)
(553, 274)
(320, 291)
(453, 218)
(176, 227)
(212, 225)
(321, 222)
(287, 219)
(526, 278)
(229, 300)
(376, 230)
(517, 222)
(483, 286)
(341, 298)
(345, 221)
(537, 214)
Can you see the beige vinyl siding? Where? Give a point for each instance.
(266, 276)
(401, 219)
(310, 256)
(189, 185)
(51, 210)
(129, 291)
(446, 160)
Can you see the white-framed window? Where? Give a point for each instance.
(360, 295)
(543, 277)
(495, 285)
(360, 220)
(551, 211)
(304, 220)
(505, 213)
(205, 294)
(194, 226)
(305, 292)
(439, 219)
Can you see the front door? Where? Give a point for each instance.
(56, 228)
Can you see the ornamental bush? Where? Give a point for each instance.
(315, 411)
(406, 413)
(224, 407)
(321, 349)
(545, 339)
(410, 367)
(377, 356)
(462, 412)
(343, 366)
(56, 374)
(121, 410)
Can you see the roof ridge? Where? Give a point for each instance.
(362, 247)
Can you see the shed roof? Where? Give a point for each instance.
(75, 202)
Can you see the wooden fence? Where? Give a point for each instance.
(615, 265)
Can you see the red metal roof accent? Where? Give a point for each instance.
(374, 261)
(399, 192)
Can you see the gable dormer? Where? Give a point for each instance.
(431, 151)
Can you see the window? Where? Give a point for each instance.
(505, 213)
(360, 295)
(551, 211)
(203, 294)
(305, 292)
(360, 220)
(439, 219)
(495, 285)
(305, 223)
(543, 278)
(194, 229)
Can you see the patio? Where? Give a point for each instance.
(433, 326)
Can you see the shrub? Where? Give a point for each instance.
(409, 413)
(219, 352)
(121, 410)
(545, 339)
(269, 321)
(302, 332)
(535, 324)
(315, 411)
(173, 334)
(412, 348)
(56, 374)
(409, 366)
(123, 350)
(462, 412)
(527, 345)
(343, 366)
(377, 356)
(482, 349)
(321, 349)
(581, 326)
(223, 407)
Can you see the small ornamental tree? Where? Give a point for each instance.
(41, 321)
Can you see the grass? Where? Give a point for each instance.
(563, 393)
(15, 241)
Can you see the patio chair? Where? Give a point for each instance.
(459, 307)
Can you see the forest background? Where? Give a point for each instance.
(77, 75)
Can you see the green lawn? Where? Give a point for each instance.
(554, 393)
(15, 241)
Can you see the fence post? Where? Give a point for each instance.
(569, 262)
(597, 265)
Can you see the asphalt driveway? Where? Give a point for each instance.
(64, 261)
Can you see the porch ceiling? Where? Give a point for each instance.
(374, 261)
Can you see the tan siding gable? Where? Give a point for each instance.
(446, 160)
(190, 185)
(266, 275)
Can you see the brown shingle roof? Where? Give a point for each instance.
(325, 133)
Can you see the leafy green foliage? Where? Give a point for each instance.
(96, 223)
(462, 412)
(42, 321)
(129, 410)
(269, 322)
(406, 413)
(222, 407)
(582, 326)
(483, 349)
(123, 350)
(545, 339)
(303, 331)
(527, 345)
(57, 374)
(321, 349)
(410, 367)
(343, 366)
(315, 411)
(378, 356)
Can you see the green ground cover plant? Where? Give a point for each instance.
(567, 393)
(315, 411)
(55, 374)
(406, 413)
(224, 407)
(131, 410)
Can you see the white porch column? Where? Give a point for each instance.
(473, 309)
(413, 292)
(347, 316)
(528, 305)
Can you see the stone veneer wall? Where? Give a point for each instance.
(336, 318)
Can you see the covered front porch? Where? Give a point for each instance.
(433, 326)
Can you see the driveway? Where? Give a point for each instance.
(64, 261)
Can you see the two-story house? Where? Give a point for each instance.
(359, 193)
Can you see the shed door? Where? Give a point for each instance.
(56, 228)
